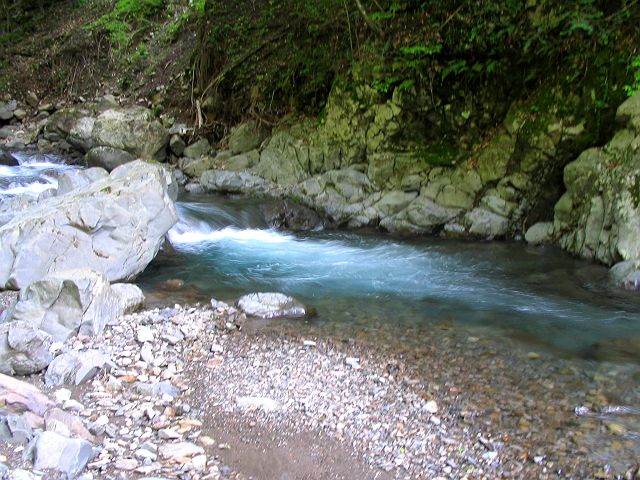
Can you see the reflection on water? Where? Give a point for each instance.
(224, 249)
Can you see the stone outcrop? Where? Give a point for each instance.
(598, 217)
(114, 226)
(360, 167)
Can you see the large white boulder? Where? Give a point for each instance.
(114, 226)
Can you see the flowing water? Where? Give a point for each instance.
(224, 249)
(526, 333)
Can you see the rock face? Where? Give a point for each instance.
(113, 226)
(368, 164)
(134, 130)
(598, 217)
(271, 305)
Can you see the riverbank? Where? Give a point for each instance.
(197, 392)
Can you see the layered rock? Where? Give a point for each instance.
(368, 164)
(114, 226)
(598, 217)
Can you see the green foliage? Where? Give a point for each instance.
(126, 15)
(633, 88)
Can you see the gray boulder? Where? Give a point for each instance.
(68, 303)
(73, 179)
(197, 149)
(130, 297)
(245, 137)
(177, 145)
(108, 157)
(233, 182)
(195, 167)
(80, 134)
(271, 305)
(134, 130)
(114, 226)
(57, 452)
(23, 349)
(541, 232)
(626, 274)
(74, 368)
(486, 224)
(63, 121)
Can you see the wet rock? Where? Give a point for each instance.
(23, 349)
(108, 157)
(66, 455)
(114, 226)
(271, 305)
(74, 368)
(626, 274)
(290, 215)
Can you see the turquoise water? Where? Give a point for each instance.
(224, 249)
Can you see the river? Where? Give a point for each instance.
(538, 311)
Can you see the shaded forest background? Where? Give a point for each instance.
(267, 58)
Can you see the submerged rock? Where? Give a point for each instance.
(272, 305)
(114, 225)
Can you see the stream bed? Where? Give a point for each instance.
(512, 338)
